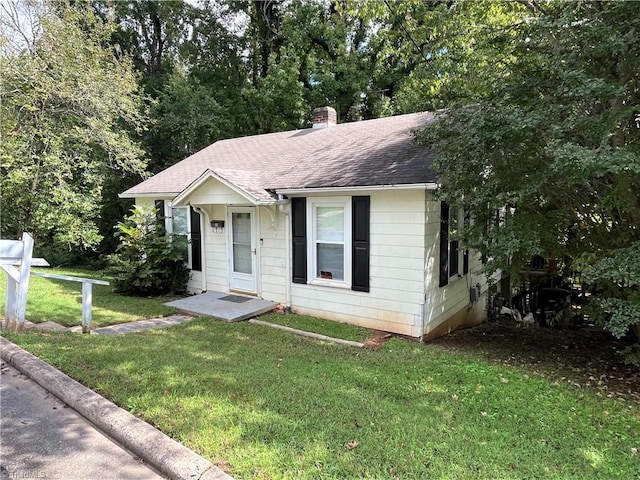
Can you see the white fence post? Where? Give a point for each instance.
(10, 301)
(23, 286)
(18, 253)
(86, 307)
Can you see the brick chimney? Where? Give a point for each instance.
(323, 117)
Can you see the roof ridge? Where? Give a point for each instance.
(333, 127)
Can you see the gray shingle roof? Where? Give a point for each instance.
(369, 153)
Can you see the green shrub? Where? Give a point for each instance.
(631, 354)
(147, 260)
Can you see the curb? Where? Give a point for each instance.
(166, 455)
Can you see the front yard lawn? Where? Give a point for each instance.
(263, 403)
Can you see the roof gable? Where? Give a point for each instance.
(212, 187)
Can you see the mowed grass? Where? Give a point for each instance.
(60, 301)
(265, 404)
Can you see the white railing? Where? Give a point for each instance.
(16, 259)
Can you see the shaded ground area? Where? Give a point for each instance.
(586, 357)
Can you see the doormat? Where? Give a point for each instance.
(235, 299)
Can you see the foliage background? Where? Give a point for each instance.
(541, 102)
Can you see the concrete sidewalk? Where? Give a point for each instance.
(73, 446)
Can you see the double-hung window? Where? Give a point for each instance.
(183, 222)
(329, 248)
(451, 256)
(330, 241)
(180, 228)
(454, 243)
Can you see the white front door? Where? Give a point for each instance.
(242, 249)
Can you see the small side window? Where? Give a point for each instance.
(180, 227)
(454, 243)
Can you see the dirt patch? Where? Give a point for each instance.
(587, 357)
(377, 340)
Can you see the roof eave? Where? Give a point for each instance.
(158, 195)
(305, 190)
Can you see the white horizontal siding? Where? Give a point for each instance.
(403, 263)
(404, 259)
(195, 282)
(145, 202)
(272, 251)
(217, 269)
(392, 251)
(213, 192)
(398, 239)
(396, 271)
(360, 308)
(441, 303)
(397, 259)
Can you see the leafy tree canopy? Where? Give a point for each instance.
(556, 140)
(69, 104)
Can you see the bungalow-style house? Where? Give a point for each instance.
(335, 221)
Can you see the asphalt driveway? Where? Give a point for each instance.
(40, 437)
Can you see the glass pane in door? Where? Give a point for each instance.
(241, 231)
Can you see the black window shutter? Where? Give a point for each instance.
(465, 258)
(465, 262)
(444, 243)
(360, 250)
(485, 231)
(299, 237)
(196, 241)
(159, 206)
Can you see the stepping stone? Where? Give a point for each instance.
(131, 327)
(47, 326)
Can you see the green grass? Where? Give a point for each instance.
(60, 301)
(267, 404)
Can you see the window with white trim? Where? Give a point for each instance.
(180, 225)
(329, 248)
(454, 242)
(454, 262)
(183, 221)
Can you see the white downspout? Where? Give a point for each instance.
(204, 223)
(287, 257)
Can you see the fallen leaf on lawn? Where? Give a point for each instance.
(352, 444)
